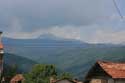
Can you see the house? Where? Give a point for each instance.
(106, 72)
(17, 79)
(64, 81)
(77, 81)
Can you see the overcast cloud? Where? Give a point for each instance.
(95, 21)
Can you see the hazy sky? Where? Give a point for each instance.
(94, 21)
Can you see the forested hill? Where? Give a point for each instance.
(68, 55)
(22, 63)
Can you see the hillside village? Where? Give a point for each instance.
(100, 72)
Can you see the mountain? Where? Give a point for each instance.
(50, 36)
(67, 54)
(44, 41)
(22, 63)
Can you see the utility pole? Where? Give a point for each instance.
(118, 10)
(1, 57)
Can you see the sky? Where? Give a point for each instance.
(92, 21)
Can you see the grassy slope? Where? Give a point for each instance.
(23, 64)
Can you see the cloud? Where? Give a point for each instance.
(108, 37)
(68, 32)
(86, 20)
(90, 34)
(48, 13)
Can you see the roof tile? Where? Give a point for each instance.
(115, 70)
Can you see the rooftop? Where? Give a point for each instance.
(17, 77)
(115, 70)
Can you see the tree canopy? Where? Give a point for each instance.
(40, 73)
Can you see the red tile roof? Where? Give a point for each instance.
(18, 77)
(115, 70)
(64, 81)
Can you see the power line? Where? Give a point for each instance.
(118, 10)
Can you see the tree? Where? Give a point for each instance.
(10, 71)
(66, 75)
(40, 74)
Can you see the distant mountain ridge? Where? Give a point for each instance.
(46, 40)
(49, 36)
(68, 55)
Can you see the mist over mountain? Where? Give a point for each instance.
(46, 40)
(67, 54)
